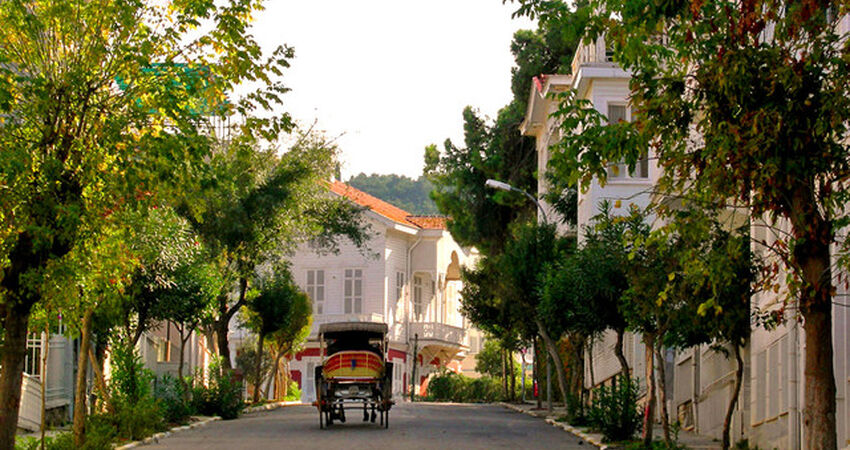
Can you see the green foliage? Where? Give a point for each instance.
(489, 360)
(246, 361)
(452, 387)
(293, 392)
(172, 399)
(408, 194)
(221, 395)
(614, 411)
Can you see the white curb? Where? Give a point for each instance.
(566, 427)
(270, 406)
(156, 437)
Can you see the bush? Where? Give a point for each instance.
(293, 393)
(222, 396)
(171, 397)
(452, 387)
(614, 410)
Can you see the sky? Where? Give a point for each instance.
(389, 77)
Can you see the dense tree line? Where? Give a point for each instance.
(411, 195)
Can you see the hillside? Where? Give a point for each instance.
(404, 192)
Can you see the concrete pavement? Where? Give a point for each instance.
(412, 426)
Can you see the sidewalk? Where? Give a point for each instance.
(686, 438)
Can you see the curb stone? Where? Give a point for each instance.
(566, 427)
(271, 406)
(156, 437)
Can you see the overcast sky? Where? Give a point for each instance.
(392, 76)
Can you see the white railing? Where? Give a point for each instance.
(438, 331)
(594, 52)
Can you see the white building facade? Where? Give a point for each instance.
(408, 277)
(701, 380)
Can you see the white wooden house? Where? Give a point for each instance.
(407, 277)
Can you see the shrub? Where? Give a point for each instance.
(293, 393)
(222, 395)
(614, 410)
(452, 387)
(171, 397)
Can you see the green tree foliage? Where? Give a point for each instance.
(278, 307)
(489, 360)
(78, 144)
(411, 195)
(745, 104)
(256, 206)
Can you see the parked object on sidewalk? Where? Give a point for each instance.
(354, 370)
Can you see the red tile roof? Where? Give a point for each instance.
(387, 210)
(428, 222)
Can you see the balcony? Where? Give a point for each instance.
(594, 52)
(437, 333)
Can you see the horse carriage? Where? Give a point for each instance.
(354, 371)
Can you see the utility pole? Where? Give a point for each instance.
(415, 360)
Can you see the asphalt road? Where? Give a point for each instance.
(412, 426)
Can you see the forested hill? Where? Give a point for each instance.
(406, 193)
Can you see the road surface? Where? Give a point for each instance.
(412, 426)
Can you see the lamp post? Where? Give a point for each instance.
(502, 186)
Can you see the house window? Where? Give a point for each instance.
(399, 285)
(620, 113)
(163, 351)
(417, 298)
(316, 289)
(353, 292)
(32, 362)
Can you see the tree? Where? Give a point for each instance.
(720, 276)
(76, 146)
(288, 339)
(278, 306)
(408, 194)
(744, 104)
(255, 208)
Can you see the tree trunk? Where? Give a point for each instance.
(273, 378)
(79, 428)
(590, 362)
(181, 360)
(556, 357)
(618, 350)
(739, 379)
(511, 372)
(649, 409)
(662, 390)
(11, 376)
(221, 328)
(222, 325)
(811, 257)
(504, 376)
(101, 382)
(258, 367)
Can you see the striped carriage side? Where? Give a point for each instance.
(366, 365)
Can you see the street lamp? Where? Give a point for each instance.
(502, 186)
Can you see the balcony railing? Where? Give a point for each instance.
(595, 52)
(438, 331)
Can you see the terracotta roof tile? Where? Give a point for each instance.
(428, 222)
(387, 210)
